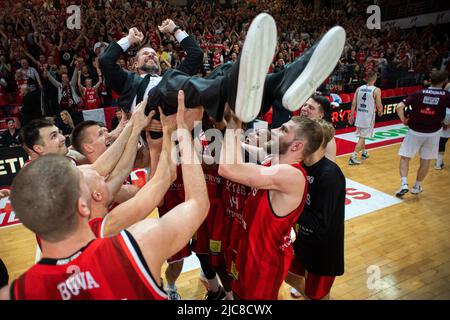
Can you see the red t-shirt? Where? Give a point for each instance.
(265, 250)
(91, 100)
(106, 269)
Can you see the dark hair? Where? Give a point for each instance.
(323, 102)
(10, 119)
(30, 132)
(44, 195)
(78, 136)
(438, 76)
(311, 132)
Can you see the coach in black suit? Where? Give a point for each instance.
(131, 86)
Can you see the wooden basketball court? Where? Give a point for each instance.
(408, 243)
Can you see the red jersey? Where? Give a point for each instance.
(360, 57)
(234, 196)
(173, 197)
(96, 225)
(105, 269)
(2, 96)
(216, 221)
(265, 251)
(91, 100)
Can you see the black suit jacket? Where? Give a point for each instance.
(129, 84)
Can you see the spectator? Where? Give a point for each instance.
(11, 135)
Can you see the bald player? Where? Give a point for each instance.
(126, 266)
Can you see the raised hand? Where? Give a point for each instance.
(135, 36)
(167, 26)
(140, 120)
(187, 117)
(169, 123)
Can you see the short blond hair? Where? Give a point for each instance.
(328, 131)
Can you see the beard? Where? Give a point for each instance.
(149, 69)
(277, 146)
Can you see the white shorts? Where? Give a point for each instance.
(364, 132)
(427, 144)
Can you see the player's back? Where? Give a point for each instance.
(428, 109)
(365, 106)
(106, 269)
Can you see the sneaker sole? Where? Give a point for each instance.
(321, 64)
(256, 57)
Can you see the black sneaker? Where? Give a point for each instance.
(219, 295)
(365, 155)
(402, 191)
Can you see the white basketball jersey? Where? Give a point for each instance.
(365, 107)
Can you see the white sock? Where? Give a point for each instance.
(404, 180)
(213, 284)
(417, 184)
(229, 295)
(439, 160)
(354, 154)
(171, 287)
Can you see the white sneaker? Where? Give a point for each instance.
(353, 161)
(416, 190)
(256, 57)
(295, 293)
(439, 167)
(319, 67)
(402, 191)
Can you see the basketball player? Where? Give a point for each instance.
(275, 202)
(444, 137)
(127, 266)
(102, 191)
(319, 246)
(366, 99)
(428, 109)
(318, 107)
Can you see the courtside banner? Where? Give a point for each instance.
(11, 161)
(340, 114)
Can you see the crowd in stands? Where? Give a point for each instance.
(45, 67)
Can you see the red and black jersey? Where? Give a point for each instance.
(106, 269)
(265, 251)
